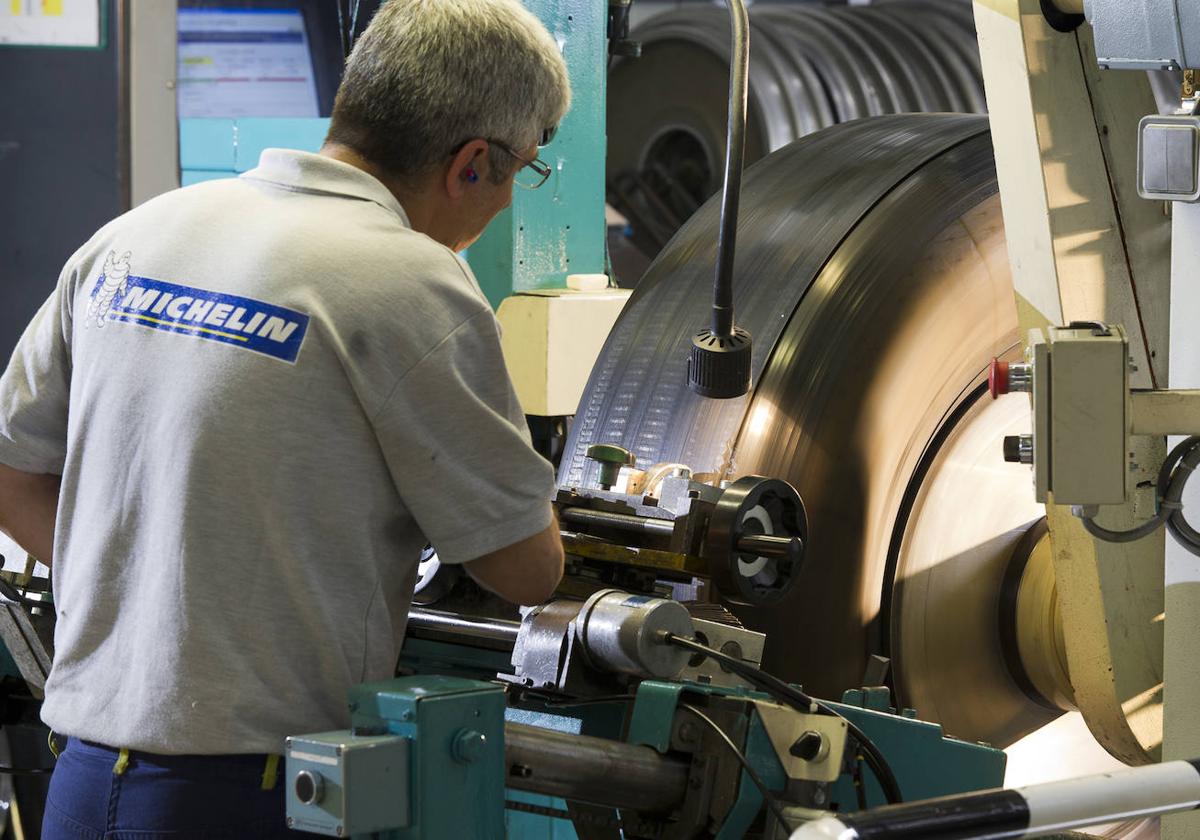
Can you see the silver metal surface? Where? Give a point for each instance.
(444, 625)
(624, 634)
(596, 770)
(1145, 34)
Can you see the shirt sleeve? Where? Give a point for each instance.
(456, 443)
(35, 390)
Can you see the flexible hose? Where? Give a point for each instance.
(735, 153)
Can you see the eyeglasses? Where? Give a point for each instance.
(532, 174)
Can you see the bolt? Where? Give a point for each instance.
(339, 830)
(818, 797)
(337, 750)
(687, 732)
(521, 771)
(290, 822)
(406, 716)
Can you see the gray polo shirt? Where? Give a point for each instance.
(263, 395)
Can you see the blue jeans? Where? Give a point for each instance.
(161, 797)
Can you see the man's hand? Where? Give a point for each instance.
(28, 506)
(524, 573)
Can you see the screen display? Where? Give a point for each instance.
(245, 63)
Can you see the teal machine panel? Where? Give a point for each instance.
(211, 148)
(558, 229)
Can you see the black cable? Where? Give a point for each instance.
(1173, 477)
(26, 771)
(772, 803)
(801, 701)
(342, 29)
(13, 594)
(860, 789)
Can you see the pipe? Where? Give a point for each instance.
(735, 155)
(621, 521)
(1034, 811)
(494, 631)
(581, 768)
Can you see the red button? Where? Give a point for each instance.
(998, 378)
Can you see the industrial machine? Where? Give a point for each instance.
(823, 605)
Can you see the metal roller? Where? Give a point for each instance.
(811, 67)
(872, 271)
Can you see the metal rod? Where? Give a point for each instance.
(763, 545)
(581, 768)
(496, 630)
(735, 152)
(620, 521)
(767, 545)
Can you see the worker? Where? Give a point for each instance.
(245, 408)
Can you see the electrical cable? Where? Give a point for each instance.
(769, 798)
(354, 21)
(801, 701)
(15, 595)
(1173, 477)
(26, 771)
(342, 29)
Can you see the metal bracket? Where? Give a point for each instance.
(809, 747)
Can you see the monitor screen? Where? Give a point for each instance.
(245, 63)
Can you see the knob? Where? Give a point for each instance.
(1018, 449)
(611, 458)
(810, 746)
(468, 746)
(1006, 378)
(310, 787)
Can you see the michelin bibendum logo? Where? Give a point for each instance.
(230, 319)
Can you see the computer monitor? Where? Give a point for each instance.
(238, 62)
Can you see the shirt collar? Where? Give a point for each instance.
(308, 172)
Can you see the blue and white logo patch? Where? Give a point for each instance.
(265, 328)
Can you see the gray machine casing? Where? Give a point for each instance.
(1146, 34)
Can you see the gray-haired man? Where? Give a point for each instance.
(246, 406)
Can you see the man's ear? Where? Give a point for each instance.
(467, 168)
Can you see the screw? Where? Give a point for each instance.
(818, 797)
(687, 732)
(339, 830)
(337, 750)
(290, 822)
(406, 716)
(521, 771)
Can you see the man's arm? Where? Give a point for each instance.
(28, 506)
(526, 572)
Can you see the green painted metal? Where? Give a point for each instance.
(654, 712)
(423, 656)
(761, 755)
(926, 763)
(558, 229)
(438, 713)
